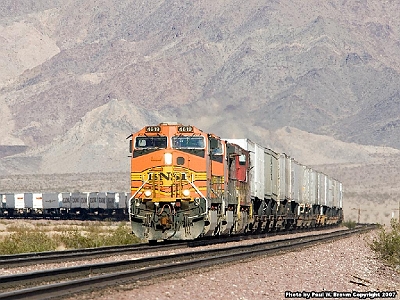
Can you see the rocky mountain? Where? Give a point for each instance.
(319, 81)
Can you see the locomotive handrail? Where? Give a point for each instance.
(201, 194)
(132, 197)
(139, 189)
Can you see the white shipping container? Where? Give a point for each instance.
(288, 180)
(284, 178)
(330, 192)
(260, 171)
(296, 181)
(37, 200)
(305, 186)
(313, 186)
(322, 189)
(19, 201)
(340, 196)
(270, 174)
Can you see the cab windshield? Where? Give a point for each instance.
(188, 142)
(151, 142)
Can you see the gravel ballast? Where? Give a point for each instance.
(347, 266)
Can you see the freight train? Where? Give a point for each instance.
(65, 205)
(186, 183)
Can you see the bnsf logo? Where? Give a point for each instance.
(167, 176)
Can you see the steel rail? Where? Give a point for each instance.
(25, 259)
(145, 268)
(34, 258)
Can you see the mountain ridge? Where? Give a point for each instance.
(327, 72)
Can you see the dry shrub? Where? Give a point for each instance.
(387, 243)
(24, 239)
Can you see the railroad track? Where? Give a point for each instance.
(26, 259)
(66, 281)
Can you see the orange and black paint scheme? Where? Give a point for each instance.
(186, 183)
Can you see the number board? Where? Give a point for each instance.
(153, 129)
(185, 129)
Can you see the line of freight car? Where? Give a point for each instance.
(280, 178)
(65, 205)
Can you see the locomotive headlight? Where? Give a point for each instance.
(147, 193)
(186, 193)
(168, 158)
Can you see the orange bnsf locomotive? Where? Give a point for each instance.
(186, 183)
